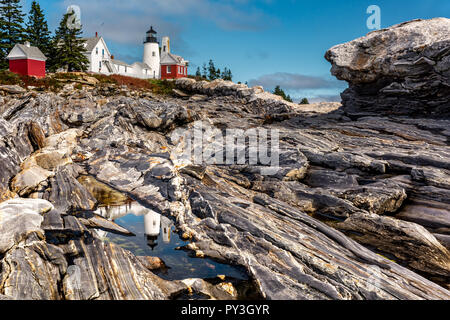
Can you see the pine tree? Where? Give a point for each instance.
(280, 92)
(68, 48)
(226, 74)
(3, 62)
(198, 73)
(205, 71)
(36, 31)
(212, 72)
(304, 101)
(11, 27)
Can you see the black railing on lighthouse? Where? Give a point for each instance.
(151, 39)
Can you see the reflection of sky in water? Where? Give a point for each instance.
(181, 265)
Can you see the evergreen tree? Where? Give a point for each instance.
(198, 73)
(304, 101)
(227, 75)
(11, 27)
(218, 74)
(205, 71)
(36, 31)
(3, 62)
(68, 48)
(212, 72)
(280, 92)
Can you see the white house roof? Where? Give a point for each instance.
(21, 51)
(142, 65)
(91, 43)
(120, 63)
(170, 58)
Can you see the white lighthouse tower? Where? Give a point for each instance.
(152, 225)
(151, 53)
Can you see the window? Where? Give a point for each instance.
(100, 65)
(126, 69)
(164, 50)
(154, 53)
(169, 69)
(96, 51)
(103, 52)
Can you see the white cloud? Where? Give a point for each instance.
(125, 20)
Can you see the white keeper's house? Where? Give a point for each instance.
(158, 63)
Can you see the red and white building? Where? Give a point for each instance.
(172, 66)
(27, 60)
(157, 63)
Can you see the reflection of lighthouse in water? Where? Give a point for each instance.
(154, 223)
(166, 225)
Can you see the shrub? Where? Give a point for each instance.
(104, 79)
(162, 87)
(47, 83)
(66, 76)
(7, 77)
(132, 83)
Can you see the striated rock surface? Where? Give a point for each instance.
(18, 219)
(402, 70)
(284, 228)
(354, 208)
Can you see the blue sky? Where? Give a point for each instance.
(263, 42)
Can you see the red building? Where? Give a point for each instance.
(27, 60)
(172, 66)
(173, 71)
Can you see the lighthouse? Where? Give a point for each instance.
(152, 224)
(151, 53)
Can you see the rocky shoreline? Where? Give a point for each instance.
(358, 209)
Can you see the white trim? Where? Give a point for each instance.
(25, 58)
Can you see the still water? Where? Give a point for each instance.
(156, 236)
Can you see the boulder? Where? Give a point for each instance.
(12, 89)
(406, 241)
(401, 70)
(19, 218)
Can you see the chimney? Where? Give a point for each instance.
(96, 34)
(27, 44)
(112, 57)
